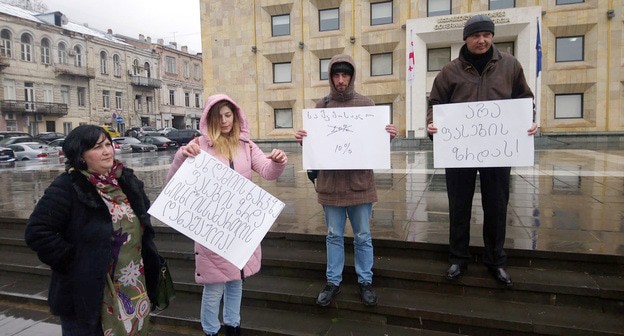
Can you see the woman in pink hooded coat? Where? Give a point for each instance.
(225, 135)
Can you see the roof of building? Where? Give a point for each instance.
(78, 28)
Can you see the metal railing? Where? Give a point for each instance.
(22, 106)
(145, 81)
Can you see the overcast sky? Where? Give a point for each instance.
(176, 20)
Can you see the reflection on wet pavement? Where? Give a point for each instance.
(571, 200)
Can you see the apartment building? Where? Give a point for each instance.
(271, 56)
(57, 75)
(180, 97)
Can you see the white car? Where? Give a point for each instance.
(33, 151)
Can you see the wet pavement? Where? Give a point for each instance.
(571, 200)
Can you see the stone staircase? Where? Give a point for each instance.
(553, 293)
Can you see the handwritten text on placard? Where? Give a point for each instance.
(484, 134)
(217, 207)
(346, 138)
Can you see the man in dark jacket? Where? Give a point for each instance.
(481, 72)
(345, 193)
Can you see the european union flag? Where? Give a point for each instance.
(538, 47)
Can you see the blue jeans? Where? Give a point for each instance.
(335, 218)
(231, 292)
(70, 326)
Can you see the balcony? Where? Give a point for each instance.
(71, 70)
(145, 81)
(21, 106)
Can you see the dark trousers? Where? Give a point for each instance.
(460, 185)
(71, 326)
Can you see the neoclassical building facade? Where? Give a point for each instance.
(271, 56)
(57, 75)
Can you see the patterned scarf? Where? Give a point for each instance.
(125, 306)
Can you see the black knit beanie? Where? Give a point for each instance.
(478, 23)
(343, 67)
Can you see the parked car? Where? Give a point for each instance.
(165, 130)
(183, 137)
(19, 139)
(135, 144)
(141, 131)
(160, 141)
(8, 134)
(33, 151)
(49, 136)
(58, 145)
(6, 155)
(121, 148)
(111, 130)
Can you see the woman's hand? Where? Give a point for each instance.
(533, 129)
(191, 150)
(278, 155)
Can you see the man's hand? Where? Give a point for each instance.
(533, 129)
(391, 129)
(299, 136)
(431, 129)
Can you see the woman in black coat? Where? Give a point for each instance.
(92, 228)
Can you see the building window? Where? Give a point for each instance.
(67, 127)
(5, 43)
(197, 100)
(187, 99)
(568, 2)
(438, 7)
(149, 104)
(569, 106)
(118, 101)
(82, 96)
(45, 51)
(381, 64)
(136, 68)
(103, 62)
(171, 97)
(147, 70)
(329, 19)
(507, 47)
(106, 99)
(26, 44)
(138, 103)
(48, 97)
(171, 64)
(29, 96)
(324, 68)
(197, 71)
(282, 73)
(116, 65)
(502, 4)
(381, 13)
(283, 118)
(437, 58)
(62, 53)
(569, 49)
(280, 25)
(187, 69)
(78, 56)
(65, 94)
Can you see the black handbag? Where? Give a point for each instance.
(312, 174)
(166, 292)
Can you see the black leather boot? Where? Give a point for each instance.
(232, 331)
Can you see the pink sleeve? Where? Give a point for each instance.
(264, 166)
(178, 159)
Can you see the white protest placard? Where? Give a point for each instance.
(346, 138)
(489, 133)
(217, 207)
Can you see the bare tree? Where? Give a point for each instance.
(33, 5)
